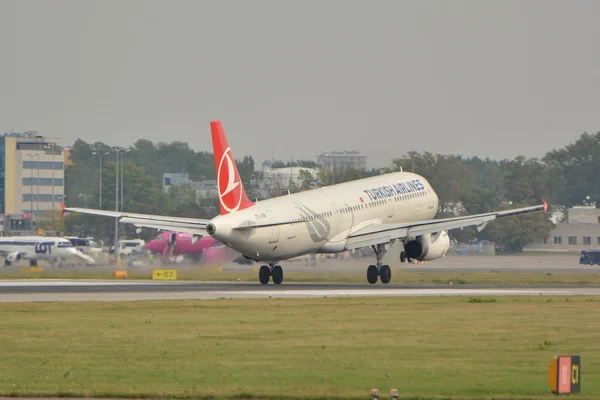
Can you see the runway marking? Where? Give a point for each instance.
(403, 292)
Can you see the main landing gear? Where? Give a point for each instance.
(267, 271)
(379, 270)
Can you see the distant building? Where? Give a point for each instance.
(174, 179)
(342, 159)
(31, 178)
(202, 188)
(580, 231)
(205, 188)
(276, 181)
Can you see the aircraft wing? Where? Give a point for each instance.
(384, 233)
(190, 225)
(194, 229)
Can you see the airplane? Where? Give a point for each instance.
(181, 243)
(372, 212)
(34, 248)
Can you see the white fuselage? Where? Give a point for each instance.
(39, 248)
(323, 218)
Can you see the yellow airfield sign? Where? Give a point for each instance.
(164, 274)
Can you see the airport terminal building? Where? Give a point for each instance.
(31, 180)
(580, 231)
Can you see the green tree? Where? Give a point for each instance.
(449, 177)
(525, 181)
(514, 232)
(574, 170)
(307, 179)
(246, 169)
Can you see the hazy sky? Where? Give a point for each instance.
(478, 77)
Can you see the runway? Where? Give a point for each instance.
(110, 290)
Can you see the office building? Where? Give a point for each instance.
(31, 176)
(342, 159)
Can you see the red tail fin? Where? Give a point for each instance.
(232, 196)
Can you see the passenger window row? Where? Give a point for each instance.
(363, 206)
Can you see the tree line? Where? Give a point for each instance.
(465, 185)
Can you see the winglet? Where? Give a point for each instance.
(63, 209)
(545, 206)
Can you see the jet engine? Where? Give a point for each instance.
(14, 256)
(428, 247)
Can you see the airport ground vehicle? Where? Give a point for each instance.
(589, 257)
(131, 246)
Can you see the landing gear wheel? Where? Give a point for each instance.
(264, 273)
(277, 274)
(402, 257)
(409, 260)
(385, 273)
(372, 274)
(33, 263)
(7, 263)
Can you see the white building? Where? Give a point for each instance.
(581, 231)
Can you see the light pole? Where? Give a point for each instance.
(413, 154)
(123, 151)
(117, 208)
(85, 197)
(117, 150)
(122, 168)
(100, 194)
(291, 168)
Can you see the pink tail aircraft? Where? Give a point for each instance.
(182, 243)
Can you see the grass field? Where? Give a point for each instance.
(398, 276)
(439, 347)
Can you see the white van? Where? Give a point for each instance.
(131, 246)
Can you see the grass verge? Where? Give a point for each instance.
(331, 348)
(398, 276)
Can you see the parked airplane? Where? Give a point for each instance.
(173, 243)
(375, 212)
(34, 248)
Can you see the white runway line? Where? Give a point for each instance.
(206, 295)
(405, 292)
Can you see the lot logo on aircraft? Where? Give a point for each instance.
(228, 183)
(43, 248)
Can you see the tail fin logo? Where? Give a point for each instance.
(228, 183)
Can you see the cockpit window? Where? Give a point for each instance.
(159, 238)
(66, 243)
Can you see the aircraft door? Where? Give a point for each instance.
(336, 219)
(432, 201)
(274, 229)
